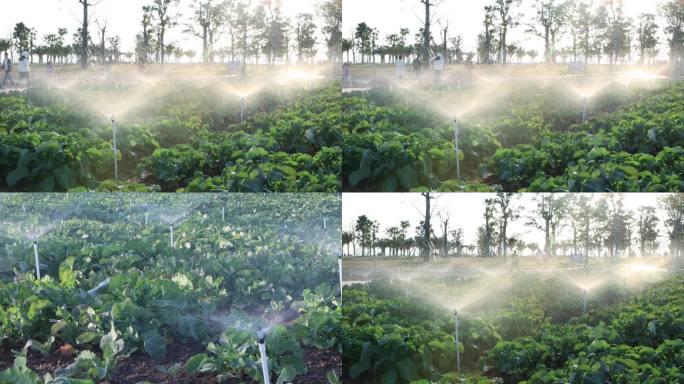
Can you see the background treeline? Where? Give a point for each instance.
(572, 30)
(232, 30)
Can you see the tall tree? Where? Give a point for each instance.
(458, 241)
(673, 205)
(242, 25)
(23, 38)
(548, 217)
(647, 231)
(487, 233)
(444, 33)
(363, 37)
(647, 34)
(330, 11)
(581, 217)
(365, 231)
(426, 248)
(618, 230)
(143, 47)
(507, 19)
(83, 54)
(549, 19)
(275, 31)
(347, 239)
(457, 48)
(673, 13)
(209, 16)
(347, 46)
(427, 33)
(305, 36)
(5, 45)
(445, 234)
(618, 31)
(506, 214)
(102, 30)
(163, 10)
(487, 38)
(115, 49)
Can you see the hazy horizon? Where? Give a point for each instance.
(123, 18)
(466, 211)
(464, 18)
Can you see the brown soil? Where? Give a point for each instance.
(140, 368)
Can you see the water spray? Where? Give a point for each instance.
(242, 109)
(35, 254)
(458, 352)
(261, 337)
(458, 157)
(116, 165)
(584, 110)
(100, 288)
(584, 304)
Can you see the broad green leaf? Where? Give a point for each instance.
(154, 344)
(195, 363)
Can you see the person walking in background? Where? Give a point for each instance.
(7, 69)
(469, 66)
(50, 70)
(438, 66)
(346, 76)
(24, 69)
(417, 65)
(400, 68)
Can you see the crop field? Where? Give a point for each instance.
(162, 288)
(183, 130)
(617, 325)
(534, 129)
(513, 288)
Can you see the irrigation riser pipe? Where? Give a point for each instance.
(35, 254)
(458, 158)
(339, 266)
(458, 352)
(171, 242)
(261, 337)
(116, 165)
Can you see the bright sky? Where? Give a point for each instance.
(465, 211)
(123, 18)
(465, 18)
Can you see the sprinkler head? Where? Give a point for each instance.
(113, 119)
(261, 336)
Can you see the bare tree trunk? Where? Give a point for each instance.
(84, 35)
(426, 229)
(445, 233)
(426, 31)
